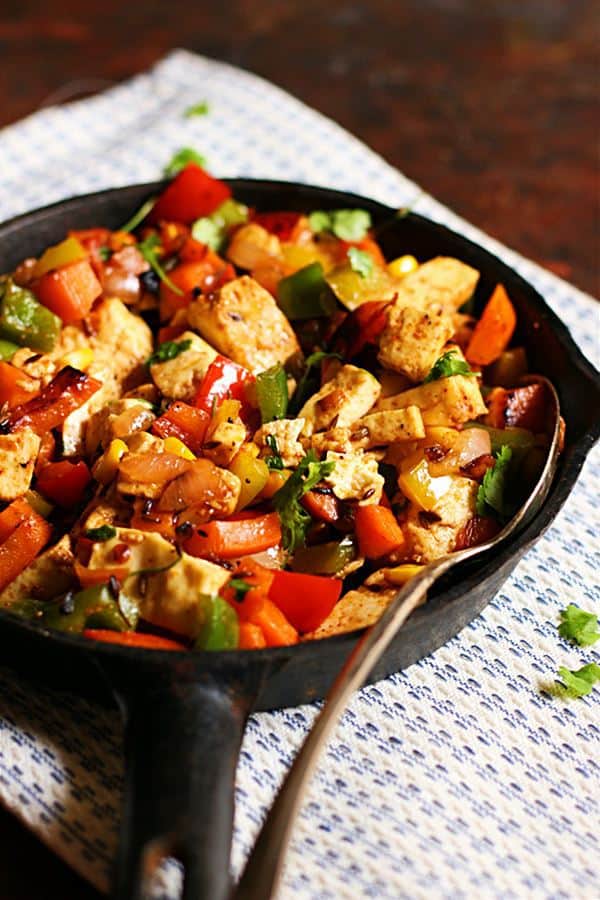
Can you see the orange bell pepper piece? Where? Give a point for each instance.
(494, 329)
(66, 392)
(377, 531)
(250, 637)
(230, 538)
(23, 543)
(185, 422)
(277, 631)
(16, 386)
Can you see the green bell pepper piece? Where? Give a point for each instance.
(272, 393)
(94, 607)
(221, 629)
(305, 294)
(24, 321)
(324, 559)
(7, 350)
(515, 438)
(25, 608)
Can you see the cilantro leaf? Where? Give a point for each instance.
(181, 158)
(104, 253)
(360, 261)
(491, 496)
(346, 224)
(169, 350)
(139, 215)
(240, 587)
(448, 364)
(306, 385)
(579, 626)
(579, 682)
(197, 109)
(102, 533)
(148, 248)
(274, 461)
(295, 521)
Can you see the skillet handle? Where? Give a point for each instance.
(182, 739)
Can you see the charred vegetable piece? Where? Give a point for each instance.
(24, 321)
(66, 392)
(220, 630)
(272, 393)
(95, 607)
(306, 294)
(185, 422)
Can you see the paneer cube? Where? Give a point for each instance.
(179, 378)
(341, 401)
(121, 342)
(431, 534)
(286, 433)
(355, 477)
(442, 281)
(412, 339)
(243, 321)
(447, 401)
(374, 430)
(18, 453)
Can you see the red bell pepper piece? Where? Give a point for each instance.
(377, 531)
(192, 193)
(69, 291)
(185, 422)
(224, 380)
(13, 385)
(64, 482)
(324, 507)
(281, 224)
(363, 326)
(231, 538)
(67, 391)
(522, 407)
(23, 542)
(305, 600)
(169, 333)
(132, 639)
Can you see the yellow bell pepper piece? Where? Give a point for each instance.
(78, 359)
(277, 478)
(402, 266)
(416, 482)
(178, 448)
(68, 251)
(107, 465)
(399, 575)
(252, 472)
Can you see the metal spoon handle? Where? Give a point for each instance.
(261, 875)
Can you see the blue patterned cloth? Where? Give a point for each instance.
(457, 778)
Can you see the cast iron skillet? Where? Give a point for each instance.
(185, 712)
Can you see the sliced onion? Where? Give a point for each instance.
(198, 486)
(466, 445)
(252, 246)
(152, 468)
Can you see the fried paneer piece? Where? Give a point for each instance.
(179, 378)
(432, 534)
(243, 321)
(447, 401)
(18, 453)
(359, 608)
(413, 338)
(442, 281)
(341, 401)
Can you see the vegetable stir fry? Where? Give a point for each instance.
(226, 428)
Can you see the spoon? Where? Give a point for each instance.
(263, 869)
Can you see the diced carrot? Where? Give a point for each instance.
(69, 291)
(22, 545)
(90, 577)
(13, 515)
(324, 507)
(377, 531)
(275, 627)
(494, 329)
(16, 386)
(228, 539)
(132, 639)
(250, 637)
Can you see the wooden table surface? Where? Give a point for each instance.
(492, 106)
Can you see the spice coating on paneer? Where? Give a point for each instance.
(18, 453)
(341, 401)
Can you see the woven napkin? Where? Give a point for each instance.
(458, 777)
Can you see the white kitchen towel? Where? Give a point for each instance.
(458, 778)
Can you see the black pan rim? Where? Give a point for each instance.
(515, 547)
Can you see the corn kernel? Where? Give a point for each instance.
(399, 575)
(178, 448)
(78, 359)
(107, 466)
(402, 266)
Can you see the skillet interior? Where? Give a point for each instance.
(302, 673)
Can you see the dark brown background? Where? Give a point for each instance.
(492, 105)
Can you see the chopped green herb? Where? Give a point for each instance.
(102, 533)
(274, 461)
(579, 626)
(360, 261)
(181, 158)
(307, 384)
(169, 350)
(579, 682)
(147, 248)
(197, 109)
(212, 230)
(139, 216)
(346, 224)
(295, 521)
(240, 587)
(491, 496)
(104, 253)
(447, 365)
